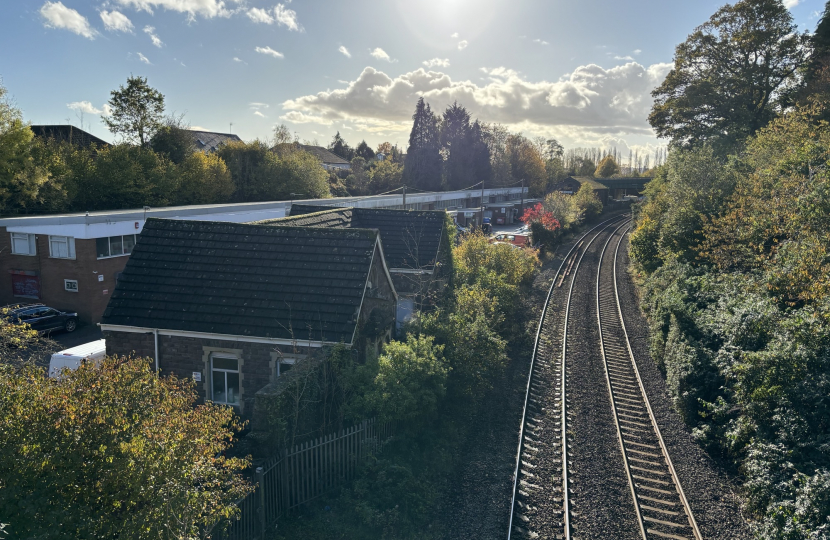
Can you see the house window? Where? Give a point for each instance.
(62, 247)
(70, 285)
(284, 365)
(114, 246)
(224, 371)
(23, 244)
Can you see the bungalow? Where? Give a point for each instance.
(236, 305)
(210, 141)
(412, 243)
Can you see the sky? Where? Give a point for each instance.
(580, 71)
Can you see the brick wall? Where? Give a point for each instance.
(92, 296)
(182, 356)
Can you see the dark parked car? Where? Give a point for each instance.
(42, 318)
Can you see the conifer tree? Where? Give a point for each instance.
(422, 168)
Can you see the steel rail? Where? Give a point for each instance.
(565, 496)
(644, 532)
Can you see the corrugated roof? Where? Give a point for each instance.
(299, 283)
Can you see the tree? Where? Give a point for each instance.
(173, 139)
(730, 77)
(422, 168)
(203, 179)
(495, 136)
(585, 203)
(113, 451)
(365, 151)
(820, 45)
(526, 164)
(411, 379)
(260, 174)
(480, 167)
(607, 167)
(282, 135)
(136, 112)
(456, 147)
(559, 206)
(385, 176)
(341, 148)
(385, 148)
(122, 176)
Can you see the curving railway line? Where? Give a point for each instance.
(549, 500)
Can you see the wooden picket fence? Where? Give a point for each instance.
(303, 473)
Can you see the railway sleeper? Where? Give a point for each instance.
(666, 535)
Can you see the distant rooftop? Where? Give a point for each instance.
(323, 154)
(67, 133)
(210, 141)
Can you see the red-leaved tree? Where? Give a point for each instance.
(537, 214)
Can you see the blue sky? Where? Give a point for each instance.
(577, 70)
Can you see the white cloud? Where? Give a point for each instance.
(587, 104)
(257, 113)
(258, 105)
(144, 59)
(437, 62)
(380, 54)
(789, 4)
(116, 21)
(205, 8)
(239, 60)
(626, 57)
(84, 107)
(57, 15)
(541, 42)
(462, 44)
(637, 51)
(454, 35)
(270, 52)
(150, 31)
(278, 14)
(345, 52)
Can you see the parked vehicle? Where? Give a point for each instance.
(42, 318)
(520, 240)
(72, 358)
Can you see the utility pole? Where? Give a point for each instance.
(482, 205)
(522, 204)
(404, 197)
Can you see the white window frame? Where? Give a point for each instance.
(226, 356)
(69, 241)
(68, 288)
(122, 254)
(31, 245)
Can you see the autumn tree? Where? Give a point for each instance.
(730, 77)
(607, 167)
(526, 164)
(203, 179)
(422, 168)
(113, 451)
(136, 111)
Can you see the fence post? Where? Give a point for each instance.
(260, 480)
(284, 482)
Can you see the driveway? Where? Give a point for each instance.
(84, 334)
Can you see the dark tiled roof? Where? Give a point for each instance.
(68, 133)
(411, 238)
(246, 280)
(209, 141)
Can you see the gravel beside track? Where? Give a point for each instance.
(710, 492)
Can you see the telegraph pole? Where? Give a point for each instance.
(522, 204)
(482, 205)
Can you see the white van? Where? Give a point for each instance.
(72, 358)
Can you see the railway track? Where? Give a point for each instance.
(542, 505)
(543, 499)
(659, 502)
